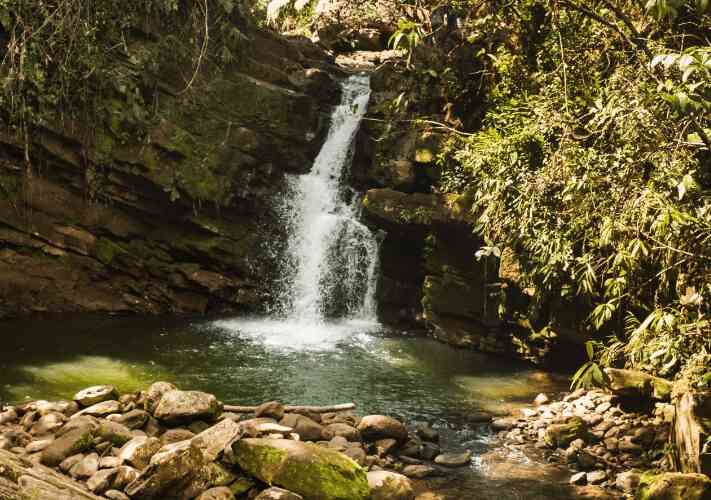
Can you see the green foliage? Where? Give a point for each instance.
(408, 36)
(590, 374)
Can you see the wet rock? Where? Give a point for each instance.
(271, 409)
(389, 486)
(430, 451)
(674, 486)
(314, 472)
(504, 424)
(186, 406)
(101, 481)
(139, 450)
(385, 446)
(213, 441)
(374, 427)
(87, 467)
(454, 459)
(96, 394)
(172, 473)
(427, 433)
(419, 471)
(306, 428)
(343, 430)
(278, 494)
(154, 394)
(71, 443)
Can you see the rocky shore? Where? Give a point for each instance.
(165, 443)
(622, 442)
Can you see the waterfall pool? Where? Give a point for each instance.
(247, 361)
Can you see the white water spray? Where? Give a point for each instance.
(329, 270)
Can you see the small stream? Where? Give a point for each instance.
(247, 361)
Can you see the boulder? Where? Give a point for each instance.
(627, 481)
(313, 472)
(96, 394)
(186, 406)
(638, 385)
(343, 430)
(48, 423)
(674, 486)
(306, 428)
(271, 409)
(213, 441)
(125, 475)
(454, 459)
(139, 450)
(134, 419)
(278, 494)
(172, 473)
(176, 435)
(87, 467)
(114, 433)
(375, 427)
(561, 435)
(386, 485)
(154, 394)
(73, 442)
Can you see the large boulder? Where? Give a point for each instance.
(139, 450)
(311, 471)
(73, 442)
(306, 428)
(561, 435)
(374, 427)
(674, 486)
(155, 392)
(638, 385)
(186, 406)
(386, 485)
(172, 473)
(213, 441)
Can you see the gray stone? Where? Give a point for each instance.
(187, 406)
(139, 450)
(71, 443)
(125, 475)
(96, 394)
(306, 428)
(419, 471)
(116, 495)
(454, 459)
(213, 441)
(99, 409)
(101, 481)
(271, 409)
(278, 494)
(343, 430)
(627, 481)
(375, 427)
(86, 468)
(176, 435)
(154, 394)
(579, 479)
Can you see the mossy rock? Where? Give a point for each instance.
(638, 385)
(561, 435)
(674, 486)
(314, 472)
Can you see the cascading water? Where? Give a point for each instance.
(329, 269)
(332, 255)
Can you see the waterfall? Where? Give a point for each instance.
(332, 258)
(328, 270)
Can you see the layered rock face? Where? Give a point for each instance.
(97, 218)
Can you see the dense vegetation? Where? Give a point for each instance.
(592, 162)
(577, 135)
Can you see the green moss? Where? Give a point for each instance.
(106, 250)
(674, 486)
(561, 435)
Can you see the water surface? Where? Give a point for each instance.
(247, 361)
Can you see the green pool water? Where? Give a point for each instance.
(247, 361)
